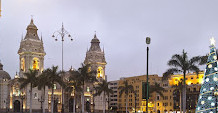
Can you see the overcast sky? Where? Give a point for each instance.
(121, 26)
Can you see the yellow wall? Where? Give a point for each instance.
(192, 80)
(137, 84)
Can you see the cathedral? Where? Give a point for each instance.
(31, 56)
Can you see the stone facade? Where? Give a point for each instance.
(95, 57)
(31, 54)
(31, 51)
(4, 89)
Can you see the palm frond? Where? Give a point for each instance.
(156, 88)
(194, 60)
(179, 86)
(103, 87)
(194, 68)
(170, 72)
(178, 57)
(29, 78)
(125, 88)
(175, 63)
(204, 59)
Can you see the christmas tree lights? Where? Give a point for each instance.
(207, 101)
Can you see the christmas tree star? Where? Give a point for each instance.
(212, 41)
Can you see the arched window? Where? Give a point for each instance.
(100, 72)
(35, 64)
(16, 90)
(22, 64)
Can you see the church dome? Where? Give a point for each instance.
(95, 40)
(32, 25)
(95, 44)
(3, 74)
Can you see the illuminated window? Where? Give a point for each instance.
(100, 72)
(16, 90)
(55, 86)
(88, 89)
(35, 64)
(22, 64)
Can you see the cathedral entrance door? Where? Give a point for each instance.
(71, 106)
(55, 105)
(88, 106)
(16, 106)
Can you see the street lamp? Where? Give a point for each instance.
(148, 41)
(41, 101)
(62, 32)
(22, 97)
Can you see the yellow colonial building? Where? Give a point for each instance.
(158, 104)
(137, 103)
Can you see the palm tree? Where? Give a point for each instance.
(42, 82)
(126, 88)
(74, 85)
(178, 87)
(53, 77)
(102, 87)
(157, 89)
(85, 76)
(29, 78)
(181, 64)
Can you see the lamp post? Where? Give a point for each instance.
(148, 41)
(62, 32)
(41, 101)
(22, 97)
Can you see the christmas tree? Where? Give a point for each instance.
(207, 101)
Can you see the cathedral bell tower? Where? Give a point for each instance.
(31, 50)
(96, 58)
